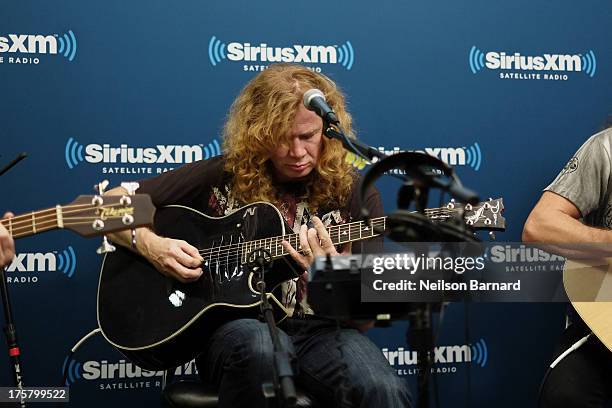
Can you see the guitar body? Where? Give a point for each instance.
(158, 322)
(588, 284)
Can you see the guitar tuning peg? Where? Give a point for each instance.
(131, 187)
(97, 224)
(127, 219)
(125, 201)
(97, 201)
(106, 247)
(100, 187)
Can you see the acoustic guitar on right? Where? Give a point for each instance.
(588, 284)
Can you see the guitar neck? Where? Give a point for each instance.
(339, 234)
(88, 216)
(486, 215)
(25, 225)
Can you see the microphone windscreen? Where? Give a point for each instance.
(309, 94)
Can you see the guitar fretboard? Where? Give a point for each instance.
(353, 231)
(34, 222)
(339, 234)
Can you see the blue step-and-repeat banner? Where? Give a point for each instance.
(503, 91)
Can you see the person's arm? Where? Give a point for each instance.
(185, 186)
(555, 219)
(7, 245)
(172, 257)
(577, 193)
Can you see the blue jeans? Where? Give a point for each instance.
(351, 372)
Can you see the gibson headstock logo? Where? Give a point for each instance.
(110, 212)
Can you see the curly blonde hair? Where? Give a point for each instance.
(260, 120)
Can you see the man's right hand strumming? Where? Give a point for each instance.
(172, 257)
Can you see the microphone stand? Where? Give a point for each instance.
(283, 388)
(10, 330)
(353, 146)
(420, 336)
(453, 185)
(420, 333)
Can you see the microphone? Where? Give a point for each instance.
(314, 100)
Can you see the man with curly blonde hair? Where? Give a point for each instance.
(275, 151)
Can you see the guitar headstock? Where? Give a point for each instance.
(486, 215)
(92, 215)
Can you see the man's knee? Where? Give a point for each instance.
(249, 341)
(246, 339)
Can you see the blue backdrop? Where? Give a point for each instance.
(506, 92)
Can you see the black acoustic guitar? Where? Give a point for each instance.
(161, 323)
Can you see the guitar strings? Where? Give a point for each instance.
(332, 230)
(27, 218)
(216, 254)
(227, 251)
(236, 251)
(48, 225)
(231, 257)
(234, 259)
(53, 210)
(44, 225)
(224, 249)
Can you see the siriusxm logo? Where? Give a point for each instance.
(521, 253)
(476, 353)
(303, 54)
(104, 370)
(65, 44)
(470, 156)
(75, 153)
(64, 261)
(494, 60)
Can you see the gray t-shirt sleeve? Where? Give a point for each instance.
(585, 178)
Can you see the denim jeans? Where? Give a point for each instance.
(338, 368)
